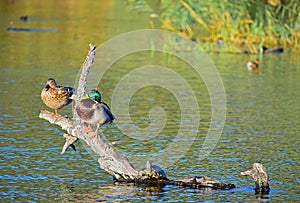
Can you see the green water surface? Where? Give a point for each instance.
(262, 116)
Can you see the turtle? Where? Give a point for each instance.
(153, 171)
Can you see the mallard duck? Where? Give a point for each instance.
(93, 111)
(55, 96)
(253, 65)
(265, 50)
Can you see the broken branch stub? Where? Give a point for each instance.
(260, 176)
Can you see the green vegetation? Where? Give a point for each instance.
(245, 25)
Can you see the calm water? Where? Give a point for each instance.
(262, 116)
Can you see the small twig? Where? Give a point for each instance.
(70, 140)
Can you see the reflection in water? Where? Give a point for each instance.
(111, 193)
(121, 193)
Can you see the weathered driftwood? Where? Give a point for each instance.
(110, 160)
(260, 176)
(70, 140)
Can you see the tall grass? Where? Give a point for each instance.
(245, 25)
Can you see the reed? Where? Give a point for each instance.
(244, 25)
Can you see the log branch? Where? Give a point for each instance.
(114, 163)
(82, 83)
(118, 165)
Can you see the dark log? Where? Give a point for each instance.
(113, 162)
(202, 182)
(260, 176)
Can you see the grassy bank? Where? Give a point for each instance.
(244, 25)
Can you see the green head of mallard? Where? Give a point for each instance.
(95, 95)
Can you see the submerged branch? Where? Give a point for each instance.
(202, 182)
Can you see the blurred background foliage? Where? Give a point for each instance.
(244, 25)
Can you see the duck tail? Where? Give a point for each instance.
(71, 92)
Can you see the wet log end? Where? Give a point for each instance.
(260, 176)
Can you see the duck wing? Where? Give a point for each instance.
(66, 92)
(107, 111)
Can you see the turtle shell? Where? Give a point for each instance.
(154, 170)
(159, 170)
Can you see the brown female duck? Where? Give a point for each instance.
(55, 96)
